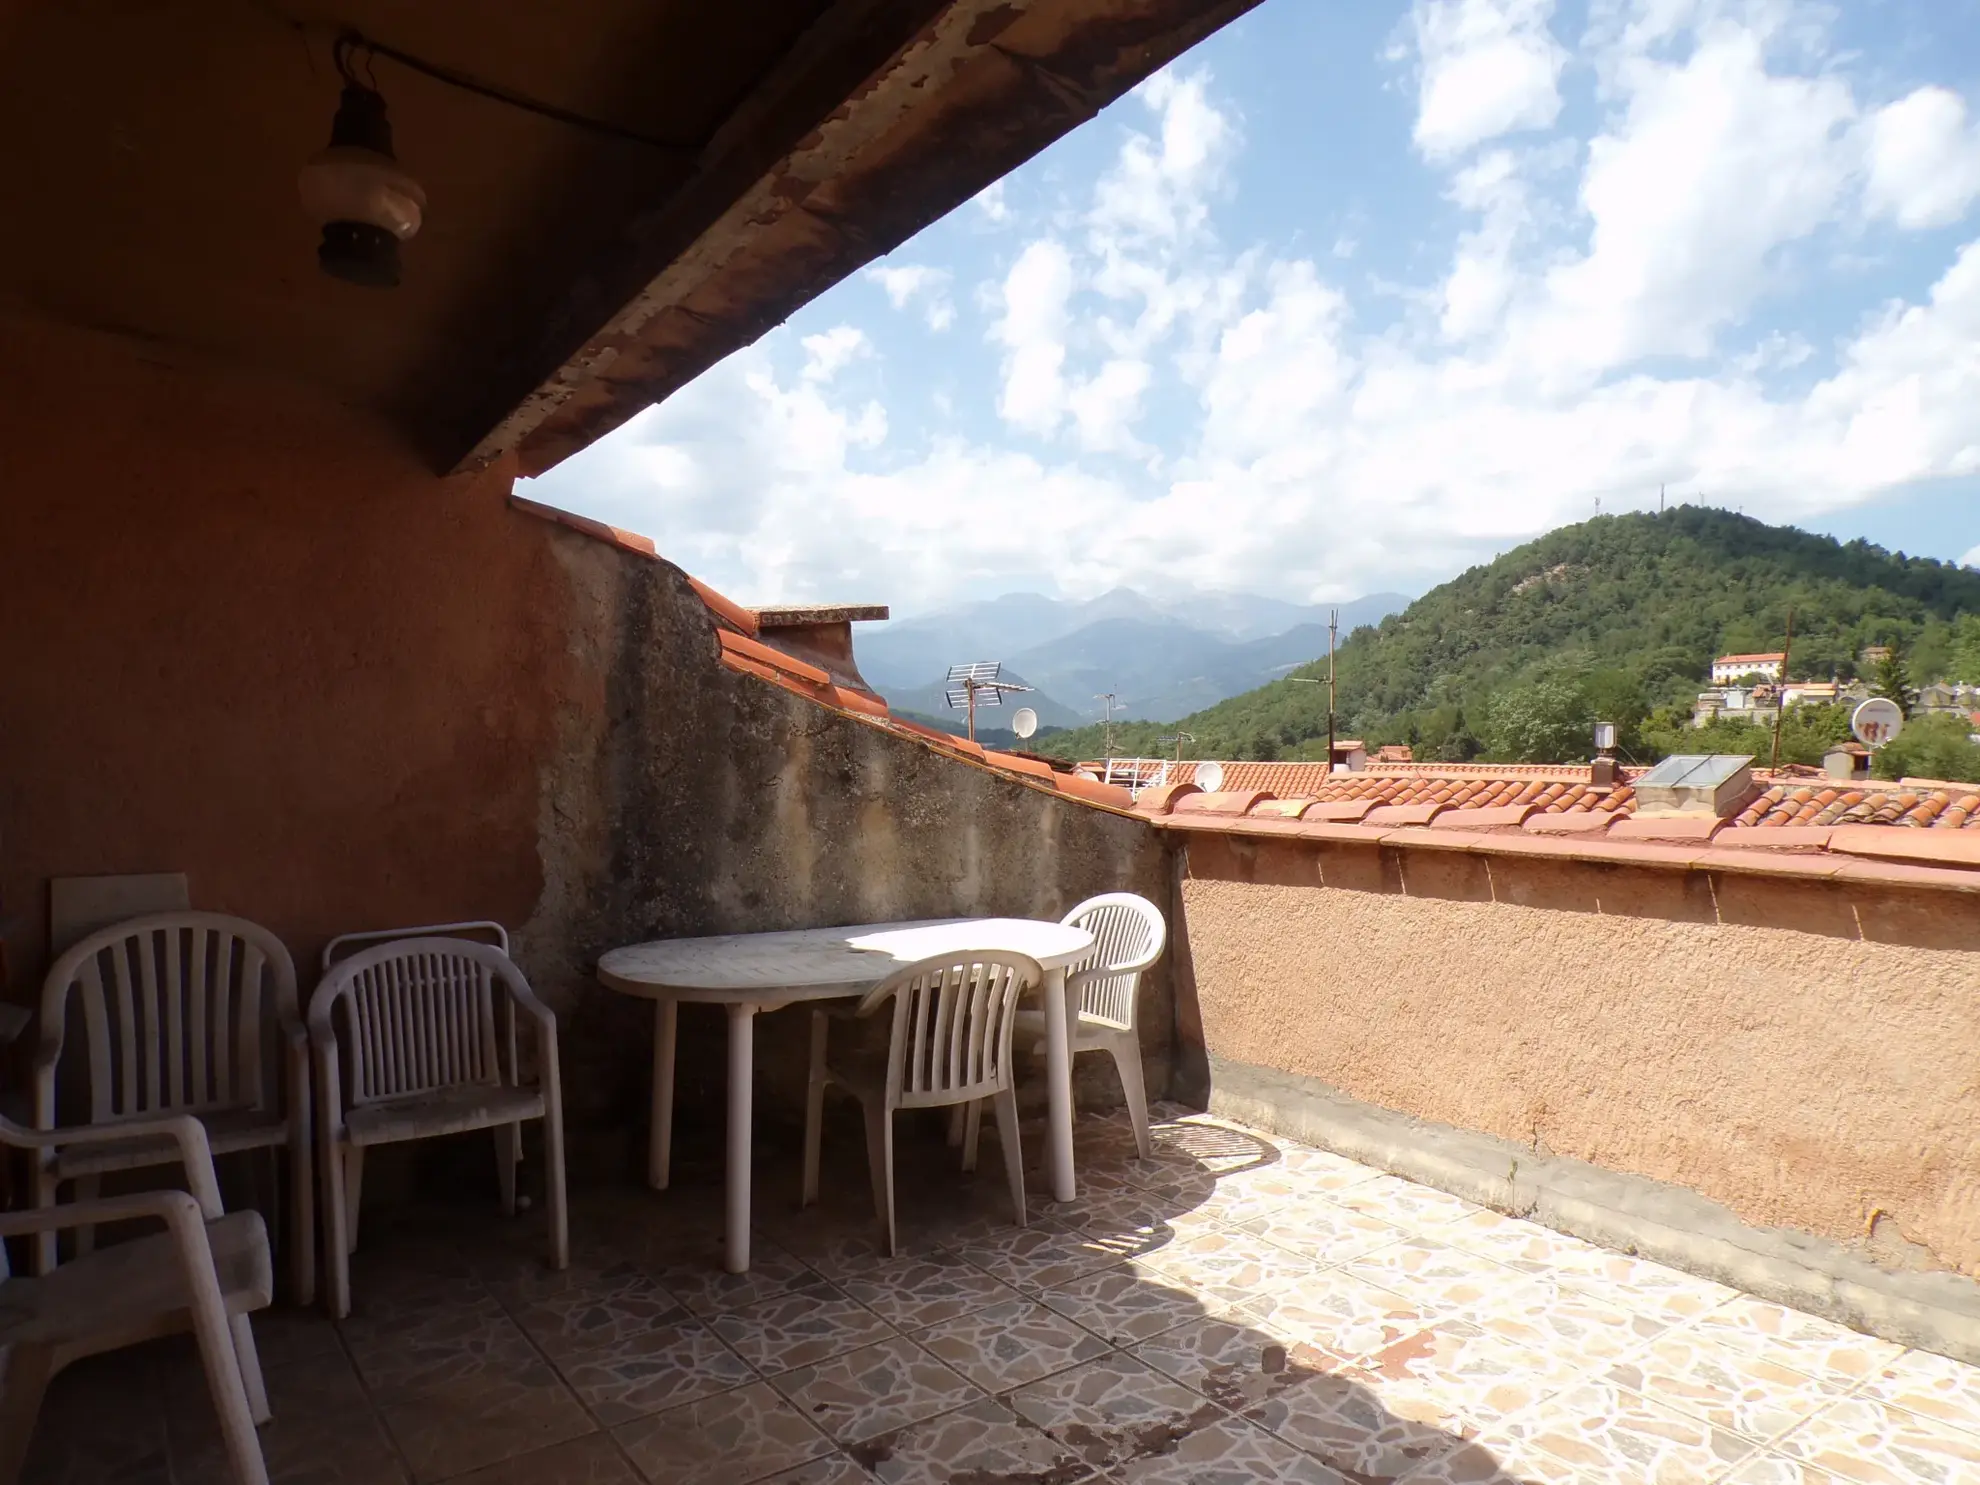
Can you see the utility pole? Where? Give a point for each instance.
(1780, 696)
(1107, 699)
(1179, 739)
(1333, 624)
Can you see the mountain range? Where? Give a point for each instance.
(1158, 657)
(1615, 618)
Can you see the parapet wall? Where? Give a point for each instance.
(1800, 1049)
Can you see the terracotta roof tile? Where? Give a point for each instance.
(1580, 822)
(1223, 802)
(1161, 799)
(1488, 818)
(1686, 828)
(1391, 816)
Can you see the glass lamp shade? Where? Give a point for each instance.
(345, 183)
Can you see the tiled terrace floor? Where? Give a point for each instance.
(1239, 1309)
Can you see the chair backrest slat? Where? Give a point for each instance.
(418, 1016)
(174, 1008)
(1128, 935)
(953, 1018)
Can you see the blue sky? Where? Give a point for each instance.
(1353, 296)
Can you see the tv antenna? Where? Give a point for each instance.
(1333, 626)
(977, 684)
(1177, 742)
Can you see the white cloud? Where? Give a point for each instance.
(1488, 67)
(1715, 163)
(1971, 559)
(826, 354)
(1924, 159)
(990, 201)
(1032, 330)
(910, 283)
(1153, 406)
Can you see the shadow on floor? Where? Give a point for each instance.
(1146, 1334)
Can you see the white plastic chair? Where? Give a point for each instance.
(418, 1018)
(1128, 936)
(949, 1042)
(204, 1274)
(180, 1013)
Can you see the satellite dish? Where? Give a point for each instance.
(1877, 721)
(1209, 777)
(1024, 721)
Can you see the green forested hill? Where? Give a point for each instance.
(1617, 617)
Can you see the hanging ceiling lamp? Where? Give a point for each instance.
(356, 191)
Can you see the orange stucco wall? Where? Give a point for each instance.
(1803, 1053)
(249, 637)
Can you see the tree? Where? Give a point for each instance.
(1965, 663)
(1546, 721)
(1893, 679)
(1931, 747)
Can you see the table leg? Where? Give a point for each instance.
(1058, 1086)
(660, 1130)
(742, 1067)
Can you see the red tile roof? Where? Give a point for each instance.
(749, 647)
(1930, 825)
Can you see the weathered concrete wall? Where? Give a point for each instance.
(1801, 1053)
(687, 799)
(249, 637)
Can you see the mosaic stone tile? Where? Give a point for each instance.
(1235, 1365)
(1637, 1283)
(1935, 1387)
(1321, 1171)
(1484, 1461)
(591, 1309)
(662, 1368)
(1778, 1469)
(1235, 1267)
(985, 1441)
(727, 1439)
(1249, 1194)
(1114, 1409)
(1038, 1257)
(1232, 1451)
(1405, 1202)
(1128, 1302)
(804, 1326)
(1805, 1342)
(1743, 1389)
(914, 1292)
(323, 1432)
(1133, 1222)
(594, 1459)
(834, 1469)
(1871, 1443)
(491, 1398)
(1526, 1246)
(1460, 1377)
(394, 1348)
(1214, 1146)
(1601, 1434)
(1437, 1278)
(1545, 1316)
(1338, 1314)
(1011, 1344)
(875, 1391)
(1323, 1232)
(1337, 1417)
(700, 1282)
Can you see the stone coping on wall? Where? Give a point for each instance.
(1937, 1312)
(1887, 855)
(749, 645)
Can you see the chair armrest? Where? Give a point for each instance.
(182, 1129)
(525, 999)
(169, 1207)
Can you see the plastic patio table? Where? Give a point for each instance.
(752, 972)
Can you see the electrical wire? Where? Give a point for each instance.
(352, 45)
